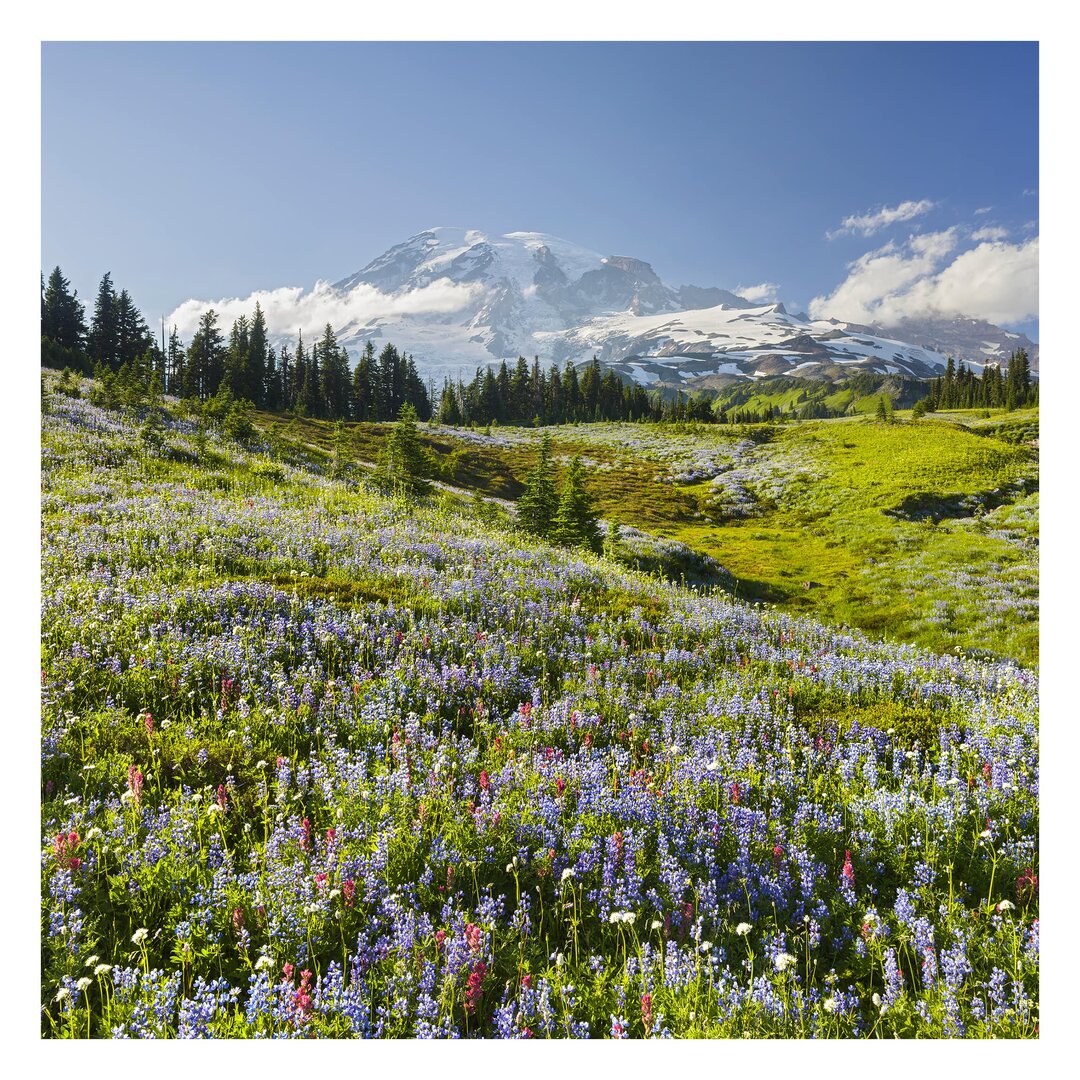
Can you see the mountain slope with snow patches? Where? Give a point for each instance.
(459, 299)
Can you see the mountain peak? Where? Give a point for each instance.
(456, 298)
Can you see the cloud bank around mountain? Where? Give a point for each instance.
(925, 276)
(291, 308)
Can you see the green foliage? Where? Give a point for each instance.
(295, 651)
(238, 422)
(536, 510)
(405, 465)
(576, 523)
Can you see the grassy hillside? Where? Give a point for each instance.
(923, 531)
(320, 763)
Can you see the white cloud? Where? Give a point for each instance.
(990, 232)
(871, 222)
(984, 210)
(765, 293)
(290, 308)
(994, 281)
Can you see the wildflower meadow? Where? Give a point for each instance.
(321, 762)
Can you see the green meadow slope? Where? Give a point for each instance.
(918, 531)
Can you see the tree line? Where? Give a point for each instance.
(313, 381)
(529, 395)
(961, 388)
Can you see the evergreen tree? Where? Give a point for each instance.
(237, 375)
(205, 362)
(404, 465)
(174, 367)
(334, 376)
(363, 384)
(62, 317)
(536, 508)
(309, 400)
(271, 394)
(256, 388)
(286, 377)
(575, 523)
(104, 337)
(449, 411)
(521, 410)
(387, 399)
(415, 392)
(300, 375)
(590, 391)
(133, 338)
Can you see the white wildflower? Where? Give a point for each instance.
(264, 963)
(92, 960)
(783, 961)
(102, 969)
(743, 929)
(1006, 905)
(83, 983)
(655, 924)
(705, 946)
(568, 873)
(140, 935)
(62, 994)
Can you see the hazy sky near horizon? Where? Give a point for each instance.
(849, 179)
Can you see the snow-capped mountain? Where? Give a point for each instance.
(971, 340)
(458, 299)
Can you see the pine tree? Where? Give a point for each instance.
(386, 400)
(104, 329)
(62, 317)
(404, 465)
(237, 375)
(174, 368)
(133, 338)
(449, 411)
(415, 392)
(536, 508)
(258, 360)
(334, 376)
(363, 384)
(575, 523)
(204, 364)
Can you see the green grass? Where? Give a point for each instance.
(835, 529)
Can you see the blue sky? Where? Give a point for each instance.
(203, 170)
